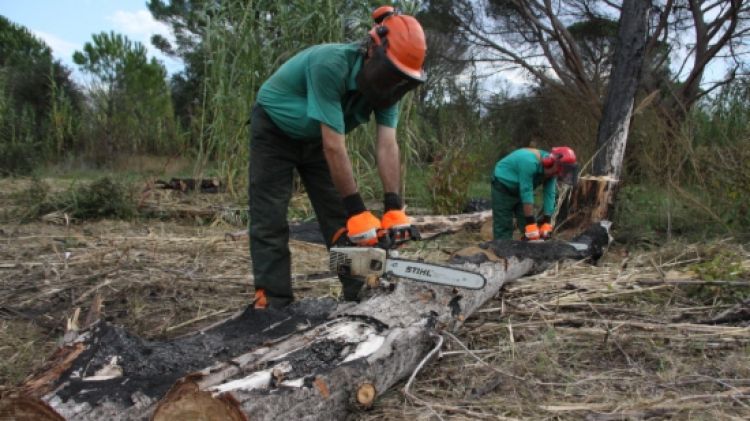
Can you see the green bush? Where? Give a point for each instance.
(656, 213)
(33, 200)
(719, 264)
(452, 173)
(102, 198)
(18, 158)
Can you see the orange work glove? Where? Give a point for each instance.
(395, 219)
(545, 231)
(397, 225)
(362, 229)
(545, 227)
(532, 231)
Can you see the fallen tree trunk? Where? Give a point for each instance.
(313, 360)
(429, 226)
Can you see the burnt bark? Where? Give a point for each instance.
(613, 128)
(316, 359)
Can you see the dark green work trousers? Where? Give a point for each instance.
(273, 158)
(505, 205)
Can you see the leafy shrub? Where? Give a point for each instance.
(32, 202)
(721, 264)
(725, 264)
(452, 173)
(100, 199)
(654, 213)
(17, 158)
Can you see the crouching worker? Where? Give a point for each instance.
(513, 182)
(299, 123)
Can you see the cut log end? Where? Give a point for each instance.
(185, 401)
(373, 281)
(366, 395)
(56, 367)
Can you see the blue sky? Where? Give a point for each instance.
(66, 25)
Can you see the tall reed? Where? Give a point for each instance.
(245, 42)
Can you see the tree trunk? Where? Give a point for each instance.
(313, 360)
(613, 128)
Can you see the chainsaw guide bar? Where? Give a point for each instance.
(368, 261)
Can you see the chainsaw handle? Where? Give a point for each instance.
(394, 237)
(387, 238)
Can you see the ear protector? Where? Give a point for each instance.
(381, 13)
(379, 16)
(548, 161)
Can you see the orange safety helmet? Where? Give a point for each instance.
(403, 40)
(567, 164)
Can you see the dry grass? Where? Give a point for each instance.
(621, 340)
(159, 279)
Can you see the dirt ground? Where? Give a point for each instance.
(645, 334)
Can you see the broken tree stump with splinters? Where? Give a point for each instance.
(316, 359)
(592, 200)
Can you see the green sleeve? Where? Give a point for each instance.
(526, 171)
(325, 87)
(388, 117)
(550, 195)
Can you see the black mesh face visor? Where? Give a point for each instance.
(568, 174)
(381, 83)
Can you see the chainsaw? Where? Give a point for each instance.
(382, 260)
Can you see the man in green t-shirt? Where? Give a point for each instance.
(513, 182)
(300, 119)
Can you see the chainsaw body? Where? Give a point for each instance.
(366, 262)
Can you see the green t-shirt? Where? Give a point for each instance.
(318, 85)
(522, 171)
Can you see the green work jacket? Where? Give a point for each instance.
(318, 85)
(521, 171)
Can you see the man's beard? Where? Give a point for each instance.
(381, 83)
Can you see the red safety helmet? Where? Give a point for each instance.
(567, 165)
(403, 40)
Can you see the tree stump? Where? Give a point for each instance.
(591, 201)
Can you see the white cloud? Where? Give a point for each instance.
(60, 47)
(139, 25)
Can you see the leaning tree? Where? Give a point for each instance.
(566, 46)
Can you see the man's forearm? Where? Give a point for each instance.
(389, 161)
(528, 210)
(339, 164)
